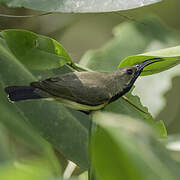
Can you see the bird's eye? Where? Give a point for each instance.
(129, 71)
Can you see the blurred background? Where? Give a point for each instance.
(145, 29)
(81, 32)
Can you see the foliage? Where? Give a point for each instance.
(131, 150)
(123, 142)
(47, 117)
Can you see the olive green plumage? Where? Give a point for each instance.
(88, 88)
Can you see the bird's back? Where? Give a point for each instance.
(82, 87)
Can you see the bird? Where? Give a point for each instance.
(83, 91)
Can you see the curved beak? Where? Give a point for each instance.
(139, 68)
(142, 65)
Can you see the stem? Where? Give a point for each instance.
(90, 172)
(25, 16)
(132, 104)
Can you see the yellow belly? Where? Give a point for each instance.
(78, 106)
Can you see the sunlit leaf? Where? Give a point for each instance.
(78, 5)
(35, 51)
(34, 169)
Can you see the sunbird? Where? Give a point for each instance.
(83, 91)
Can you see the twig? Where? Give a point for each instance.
(25, 16)
(128, 101)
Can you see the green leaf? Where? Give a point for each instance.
(129, 39)
(5, 153)
(126, 148)
(65, 129)
(170, 58)
(34, 169)
(17, 125)
(35, 51)
(77, 6)
(122, 107)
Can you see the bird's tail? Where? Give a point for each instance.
(19, 93)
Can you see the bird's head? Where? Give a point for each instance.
(128, 75)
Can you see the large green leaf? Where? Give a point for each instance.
(170, 57)
(16, 123)
(78, 5)
(122, 107)
(35, 51)
(62, 127)
(126, 148)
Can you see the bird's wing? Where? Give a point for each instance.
(83, 87)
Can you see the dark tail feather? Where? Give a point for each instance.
(19, 93)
